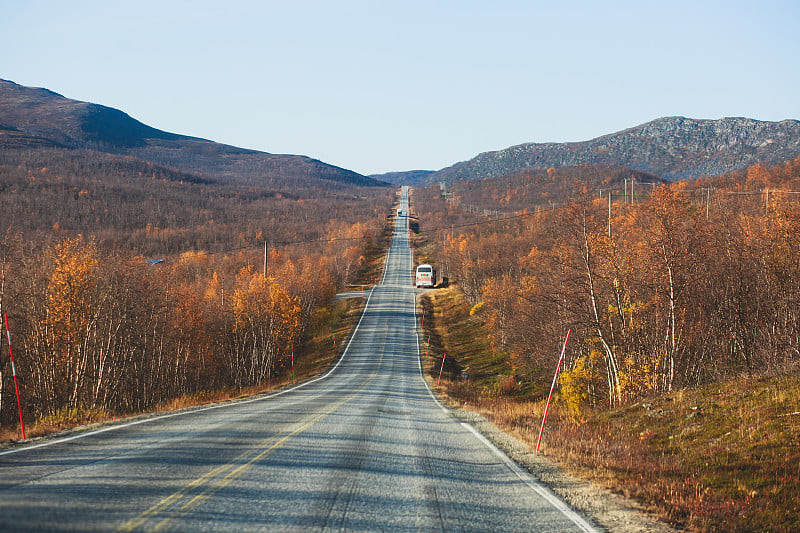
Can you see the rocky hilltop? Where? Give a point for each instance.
(673, 148)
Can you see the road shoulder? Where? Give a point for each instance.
(610, 511)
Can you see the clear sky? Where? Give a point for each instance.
(377, 86)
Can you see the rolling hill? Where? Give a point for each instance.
(409, 177)
(40, 118)
(673, 148)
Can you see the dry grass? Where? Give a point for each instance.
(725, 457)
(470, 359)
(65, 419)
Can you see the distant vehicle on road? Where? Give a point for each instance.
(399, 212)
(426, 276)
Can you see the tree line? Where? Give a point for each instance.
(661, 294)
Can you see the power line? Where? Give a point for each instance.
(490, 221)
(561, 206)
(277, 244)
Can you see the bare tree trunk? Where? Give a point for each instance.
(611, 361)
(672, 345)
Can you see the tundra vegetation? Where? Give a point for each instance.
(680, 382)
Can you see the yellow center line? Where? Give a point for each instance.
(222, 483)
(169, 500)
(234, 469)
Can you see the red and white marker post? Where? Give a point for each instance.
(14, 373)
(292, 363)
(549, 396)
(440, 370)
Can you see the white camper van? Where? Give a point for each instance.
(426, 276)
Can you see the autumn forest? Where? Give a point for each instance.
(664, 285)
(128, 284)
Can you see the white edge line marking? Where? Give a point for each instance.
(524, 476)
(542, 491)
(115, 427)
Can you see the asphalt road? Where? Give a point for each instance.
(364, 448)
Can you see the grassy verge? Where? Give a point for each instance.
(724, 457)
(471, 368)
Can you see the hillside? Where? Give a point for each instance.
(33, 117)
(542, 188)
(408, 177)
(673, 148)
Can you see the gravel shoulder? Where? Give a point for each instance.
(611, 511)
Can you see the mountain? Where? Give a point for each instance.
(408, 177)
(40, 118)
(673, 148)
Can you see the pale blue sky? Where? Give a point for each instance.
(377, 86)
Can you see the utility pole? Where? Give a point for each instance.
(609, 214)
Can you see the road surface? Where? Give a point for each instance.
(364, 448)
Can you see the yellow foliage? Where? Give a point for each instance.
(579, 383)
(198, 257)
(475, 308)
(259, 302)
(251, 297)
(69, 290)
(532, 259)
(638, 375)
(214, 288)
